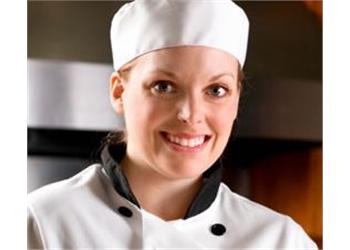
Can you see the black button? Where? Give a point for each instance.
(218, 229)
(125, 211)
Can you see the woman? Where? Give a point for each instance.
(177, 84)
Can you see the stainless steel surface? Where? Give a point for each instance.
(43, 170)
(285, 47)
(74, 95)
(71, 95)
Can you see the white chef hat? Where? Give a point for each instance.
(142, 26)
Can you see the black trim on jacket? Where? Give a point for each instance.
(111, 155)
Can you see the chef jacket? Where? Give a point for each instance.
(96, 209)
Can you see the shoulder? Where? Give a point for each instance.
(250, 216)
(53, 196)
(245, 207)
(64, 212)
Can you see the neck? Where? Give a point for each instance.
(166, 198)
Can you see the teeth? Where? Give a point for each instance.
(186, 142)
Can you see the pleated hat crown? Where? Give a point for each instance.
(143, 26)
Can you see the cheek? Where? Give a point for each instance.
(143, 113)
(224, 118)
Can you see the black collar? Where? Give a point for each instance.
(111, 156)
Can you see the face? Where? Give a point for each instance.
(179, 105)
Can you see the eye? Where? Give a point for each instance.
(163, 87)
(217, 91)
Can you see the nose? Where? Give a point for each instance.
(190, 110)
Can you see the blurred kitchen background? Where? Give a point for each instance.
(275, 157)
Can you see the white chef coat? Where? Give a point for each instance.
(86, 212)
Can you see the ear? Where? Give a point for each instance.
(116, 89)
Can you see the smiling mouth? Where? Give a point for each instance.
(186, 142)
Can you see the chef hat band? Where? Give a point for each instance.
(143, 26)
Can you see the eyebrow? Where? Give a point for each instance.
(173, 75)
(221, 75)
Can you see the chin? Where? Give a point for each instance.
(184, 170)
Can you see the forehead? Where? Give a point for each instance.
(188, 59)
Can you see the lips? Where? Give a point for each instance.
(186, 141)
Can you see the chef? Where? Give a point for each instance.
(177, 83)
